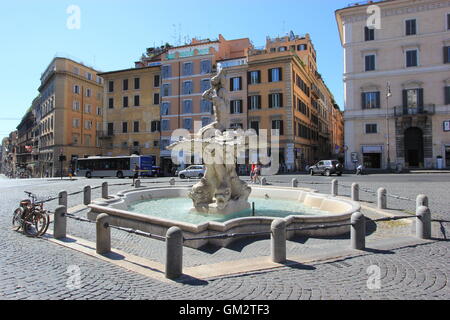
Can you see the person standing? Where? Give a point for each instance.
(136, 173)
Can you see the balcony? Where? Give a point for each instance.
(104, 134)
(401, 111)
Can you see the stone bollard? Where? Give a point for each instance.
(358, 231)
(278, 241)
(105, 190)
(87, 195)
(62, 201)
(382, 198)
(294, 183)
(103, 235)
(421, 200)
(263, 181)
(334, 187)
(174, 253)
(172, 181)
(423, 223)
(60, 222)
(355, 192)
(137, 183)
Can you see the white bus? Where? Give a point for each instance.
(119, 167)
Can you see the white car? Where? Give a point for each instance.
(196, 171)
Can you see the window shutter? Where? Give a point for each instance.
(248, 77)
(231, 84)
(270, 101)
(363, 100)
(366, 33)
(377, 95)
(281, 100)
(281, 128)
(259, 76)
(231, 107)
(447, 95)
(241, 106)
(420, 97)
(405, 98)
(249, 102)
(240, 83)
(258, 99)
(280, 74)
(446, 57)
(270, 75)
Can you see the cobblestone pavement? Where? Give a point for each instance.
(34, 268)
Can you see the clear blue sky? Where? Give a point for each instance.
(114, 33)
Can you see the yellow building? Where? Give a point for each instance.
(131, 123)
(69, 111)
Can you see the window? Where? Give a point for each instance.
(87, 139)
(205, 66)
(75, 123)
(205, 84)
(125, 102)
(278, 125)
(205, 106)
(187, 87)
(75, 138)
(369, 34)
(254, 125)
(275, 75)
(412, 100)
(206, 121)
(110, 128)
(370, 62)
(110, 86)
(235, 106)
(410, 27)
(371, 128)
(125, 84)
(156, 98)
(187, 106)
(236, 84)
(165, 125)
(124, 127)
(187, 123)
(411, 58)
(448, 21)
(302, 47)
(281, 49)
(188, 68)
(166, 71)
(447, 54)
(236, 126)
(254, 102)
(370, 100)
(88, 124)
(302, 107)
(166, 90)
(275, 100)
(76, 89)
(88, 76)
(137, 83)
(137, 101)
(447, 95)
(111, 103)
(87, 108)
(76, 106)
(136, 126)
(88, 92)
(155, 126)
(156, 80)
(165, 108)
(254, 77)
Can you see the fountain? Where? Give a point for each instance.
(219, 203)
(220, 191)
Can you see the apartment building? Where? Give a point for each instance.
(70, 111)
(397, 83)
(25, 142)
(131, 123)
(286, 92)
(185, 74)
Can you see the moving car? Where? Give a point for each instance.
(196, 171)
(326, 167)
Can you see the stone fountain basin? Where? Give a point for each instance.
(338, 211)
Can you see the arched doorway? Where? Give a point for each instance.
(414, 156)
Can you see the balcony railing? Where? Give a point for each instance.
(104, 134)
(427, 109)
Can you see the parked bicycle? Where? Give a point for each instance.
(31, 217)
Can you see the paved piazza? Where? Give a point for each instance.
(408, 268)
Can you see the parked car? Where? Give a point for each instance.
(196, 171)
(327, 168)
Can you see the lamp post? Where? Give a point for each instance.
(388, 95)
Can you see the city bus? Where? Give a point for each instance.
(119, 167)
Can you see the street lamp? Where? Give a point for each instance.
(388, 95)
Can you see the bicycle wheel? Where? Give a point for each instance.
(17, 219)
(35, 224)
(47, 224)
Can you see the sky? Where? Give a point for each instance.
(113, 34)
